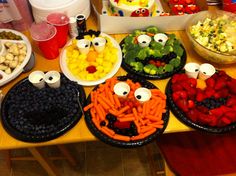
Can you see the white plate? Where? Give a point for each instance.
(69, 75)
(8, 77)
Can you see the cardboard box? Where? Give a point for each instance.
(115, 25)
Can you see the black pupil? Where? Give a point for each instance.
(196, 70)
(86, 46)
(204, 72)
(144, 42)
(124, 93)
(160, 40)
(50, 78)
(41, 79)
(80, 17)
(96, 44)
(138, 97)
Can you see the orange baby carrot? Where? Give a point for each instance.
(135, 113)
(156, 126)
(160, 122)
(152, 118)
(137, 125)
(144, 129)
(126, 119)
(150, 34)
(95, 98)
(106, 132)
(109, 130)
(148, 107)
(104, 105)
(93, 114)
(156, 102)
(96, 123)
(117, 101)
(148, 133)
(121, 138)
(144, 109)
(147, 121)
(110, 96)
(113, 82)
(88, 106)
(123, 109)
(92, 96)
(158, 110)
(113, 112)
(100, 112)
(140, 109)
(106, 101)
(134, 138)
(129, 115)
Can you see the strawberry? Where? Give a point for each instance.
(231, 115)
(223, 92)
(186, 86)
(182, 104)
(210, 82)
(175, 78)
(183, 94)
(231, 102)
(200, 96)
(192, 82)
(214, 121)
(217, 112)
(203, 109)
(232, 86)
(191, 93)
(175, 96)
(191, 104)
(192, 115)
(220, 84)
(204, 119)
(176, 87)
(225, 109)
(217, 95)
(225, 121)
(209, 92)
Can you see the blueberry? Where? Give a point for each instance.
(102, 123)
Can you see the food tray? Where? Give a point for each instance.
(123, 144)
(7, 78)
(157, 76)
(179, 114)
(17, 98)
(69, 75)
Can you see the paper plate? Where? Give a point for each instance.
(69, 75)
(7, 78)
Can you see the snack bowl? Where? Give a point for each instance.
(206, 53)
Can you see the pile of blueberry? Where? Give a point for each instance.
(212, 103)
(41, 112)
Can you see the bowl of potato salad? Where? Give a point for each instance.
(213, 36)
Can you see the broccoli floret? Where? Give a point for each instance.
(168, 49)
(156, 46)
(152, 29)
(129, 60)
(129, 40)
(143, 53)
(131, 55)
(178, 50)
(137, 66)
(137, 32)
(150, 69)
(175, 62)
(168, 68)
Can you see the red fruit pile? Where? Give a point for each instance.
(205, 106)
(180, 7)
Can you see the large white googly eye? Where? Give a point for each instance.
(137, 11)
(99, 44)
(206, 71)
(192, 69)
(83, 46)
(161, 38)
(144, 40)
(122, 89)
(142, 94)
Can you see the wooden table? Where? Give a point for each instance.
(80, 132)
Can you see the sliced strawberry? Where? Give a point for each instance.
(231, 115)
(192, 82)
(191, 104)
(176, 87)
(231, 102)
(214, 121)
(210, 82)
(220, 84)
(203, 109)
(225, 109)
(232, 86)
(204, 119)
(183, 94)
(175, 96)
(193, 115)
(218, 112)
(209, 92)
(223, 92)
(192, 93)
(226, 120)
(217, 95)
(175, 78)
(182, 104)
(200, 96)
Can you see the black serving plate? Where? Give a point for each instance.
(129, 69)
(123, 144)
(179, 114)
(35, 115)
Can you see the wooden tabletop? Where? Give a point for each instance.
(80, 132)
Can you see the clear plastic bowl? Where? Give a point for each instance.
(212, 56)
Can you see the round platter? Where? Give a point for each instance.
(8, 77)
(131, 144)
(129, 69)
(69, 75)
(187, 121)
(35, 115)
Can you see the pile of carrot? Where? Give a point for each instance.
(147, 116)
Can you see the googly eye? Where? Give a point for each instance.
(137, 11)
(121, 89)
(142, 94)
(161, 38)
(83, 45)
(144, 40)
(206, 71)
(143, 10)
(99, 43)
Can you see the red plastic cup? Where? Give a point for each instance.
(61, 22)
(45, 36)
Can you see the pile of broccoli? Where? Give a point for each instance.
(136, 56)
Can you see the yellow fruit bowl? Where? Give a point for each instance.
(75, 65)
